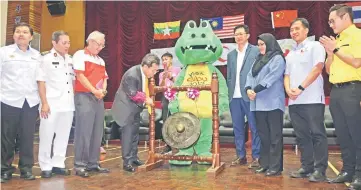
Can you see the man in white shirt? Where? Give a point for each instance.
(19, 102)
(304, 85)
(239, 63)
(55, 78)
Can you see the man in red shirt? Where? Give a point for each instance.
(90, 89)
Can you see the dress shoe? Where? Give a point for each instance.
(254, 164)
(46, 174)
(356, 184)
(138, 162)
(98, 169)
(81, 173)
(239, 161)
(301, 173)
(272, 173)
(260, 170)
(61, 171)
(128, 168)
(317, 176)
(27, 176)
(342, 178)
(6, 177)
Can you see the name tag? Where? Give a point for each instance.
(55, 63)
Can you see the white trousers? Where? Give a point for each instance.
(58, 123)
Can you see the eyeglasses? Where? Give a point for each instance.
(99, 44)
(332, 21)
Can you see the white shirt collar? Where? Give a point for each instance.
(301, 45)
(244, 48)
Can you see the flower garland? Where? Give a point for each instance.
(192, 93)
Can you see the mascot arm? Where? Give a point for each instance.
(223, 93)
(174, 105)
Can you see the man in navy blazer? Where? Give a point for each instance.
(239, 63)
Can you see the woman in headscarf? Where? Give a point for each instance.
(264, 87)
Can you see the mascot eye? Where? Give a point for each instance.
(193, 35)
(203, 35)
(192, 24)
(204, 24)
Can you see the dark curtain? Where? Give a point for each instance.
(128, 26)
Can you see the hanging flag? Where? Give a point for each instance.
(356, 11)
(283, 18)
(223, 27)
(166, 30)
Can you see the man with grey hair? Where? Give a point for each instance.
(55, 78)
(90, 89)
(133, 96)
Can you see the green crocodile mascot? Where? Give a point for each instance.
(197, 49)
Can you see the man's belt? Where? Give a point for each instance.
(339, 85)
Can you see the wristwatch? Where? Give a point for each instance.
(336, 50)
(301, 88)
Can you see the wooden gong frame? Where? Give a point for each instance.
(155, 159)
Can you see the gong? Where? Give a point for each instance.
(181, 130)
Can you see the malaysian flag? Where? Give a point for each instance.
(223, 26)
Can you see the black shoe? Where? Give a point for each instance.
(27, 176)
(128, 168)
(317, 176)
(356, 184)
(260, 170)
(342, 178)
(138, 162)
(6, 177)
(239, 161)
(98, 169)
(60, 171)
(301, 173)
(81, 173)
(272, 173)
(46, 174)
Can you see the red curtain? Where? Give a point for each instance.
(128, 26)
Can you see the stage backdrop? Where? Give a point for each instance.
(129, 26)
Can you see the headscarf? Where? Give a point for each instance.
(272, 49)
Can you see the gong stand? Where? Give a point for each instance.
(155, 159)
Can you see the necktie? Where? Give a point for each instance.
(146, 89)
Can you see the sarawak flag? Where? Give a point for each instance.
(283, 18)
(166, 30)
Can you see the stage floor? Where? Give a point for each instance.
(171, 177)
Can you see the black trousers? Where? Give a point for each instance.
(307, 121)
(346, 114)
(269, 125)
(17, 121)
(130, 139)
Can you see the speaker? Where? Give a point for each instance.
(56, 7)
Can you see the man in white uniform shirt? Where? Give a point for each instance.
(19, 102)
(304, 85)
(55, 78)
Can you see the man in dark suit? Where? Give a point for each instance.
(239, 63)
(130, 100)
